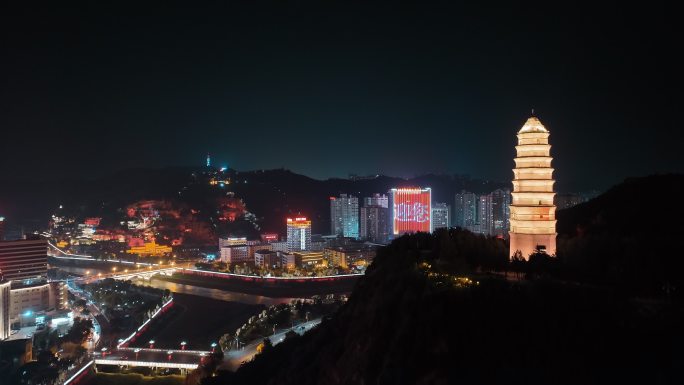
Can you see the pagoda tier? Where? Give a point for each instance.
(533, 213)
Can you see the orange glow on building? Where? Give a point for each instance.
(411, 210)
(150, 249)
(533, 213)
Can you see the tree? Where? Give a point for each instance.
(518, 263)
(80, 331)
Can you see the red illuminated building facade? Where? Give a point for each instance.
(411, 210)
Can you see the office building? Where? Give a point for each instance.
(441, 215)
(288, 261)
(344, 216)
(533, 213)
(279, 246)
(465, 210)
(232, 241)
(381, 200)
(267, 259)
(350, 255)
(298, 234)
(411, 210)
(254, 246)
(310, 258)
(500, 201)
(484, 215)
(28, 300)
(5, 303)
(235, 254)
(24, 259)
(374, 224)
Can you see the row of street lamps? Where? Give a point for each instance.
(183, 344)
(114, 269)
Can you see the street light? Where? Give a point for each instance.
(170, 352)
(151, 344)
(213, 347)
(104, 352)
(183, 345)
(136, 353)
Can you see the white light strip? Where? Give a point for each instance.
(197, 352)
(78, 373)
(146, 364)
(145, 323)
(267, 278)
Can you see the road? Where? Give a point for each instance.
(234, 358)
(100, 321)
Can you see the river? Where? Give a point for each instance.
(222, 295)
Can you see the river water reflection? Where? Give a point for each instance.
(222, 295)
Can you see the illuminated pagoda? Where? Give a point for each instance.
(533, 214)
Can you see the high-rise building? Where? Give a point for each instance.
(344, 216)
(484, 214)
(501, 201)
(441, 215)
(466, 210)
(411, 210)
(4, 307)
(24, 259)
(533, 213)
(376, 200)
(374, 224)
(298, 234)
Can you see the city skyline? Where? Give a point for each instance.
(354, 192)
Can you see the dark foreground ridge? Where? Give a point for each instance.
(415, 319)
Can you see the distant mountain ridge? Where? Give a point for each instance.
(269, 194)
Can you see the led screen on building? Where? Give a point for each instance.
(411, 210)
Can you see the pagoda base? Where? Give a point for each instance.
(527, 243)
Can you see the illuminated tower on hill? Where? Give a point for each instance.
(533, 214)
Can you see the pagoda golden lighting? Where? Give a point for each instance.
(533, 213)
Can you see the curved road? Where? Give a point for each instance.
(234, 358)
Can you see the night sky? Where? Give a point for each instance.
(331, 88)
